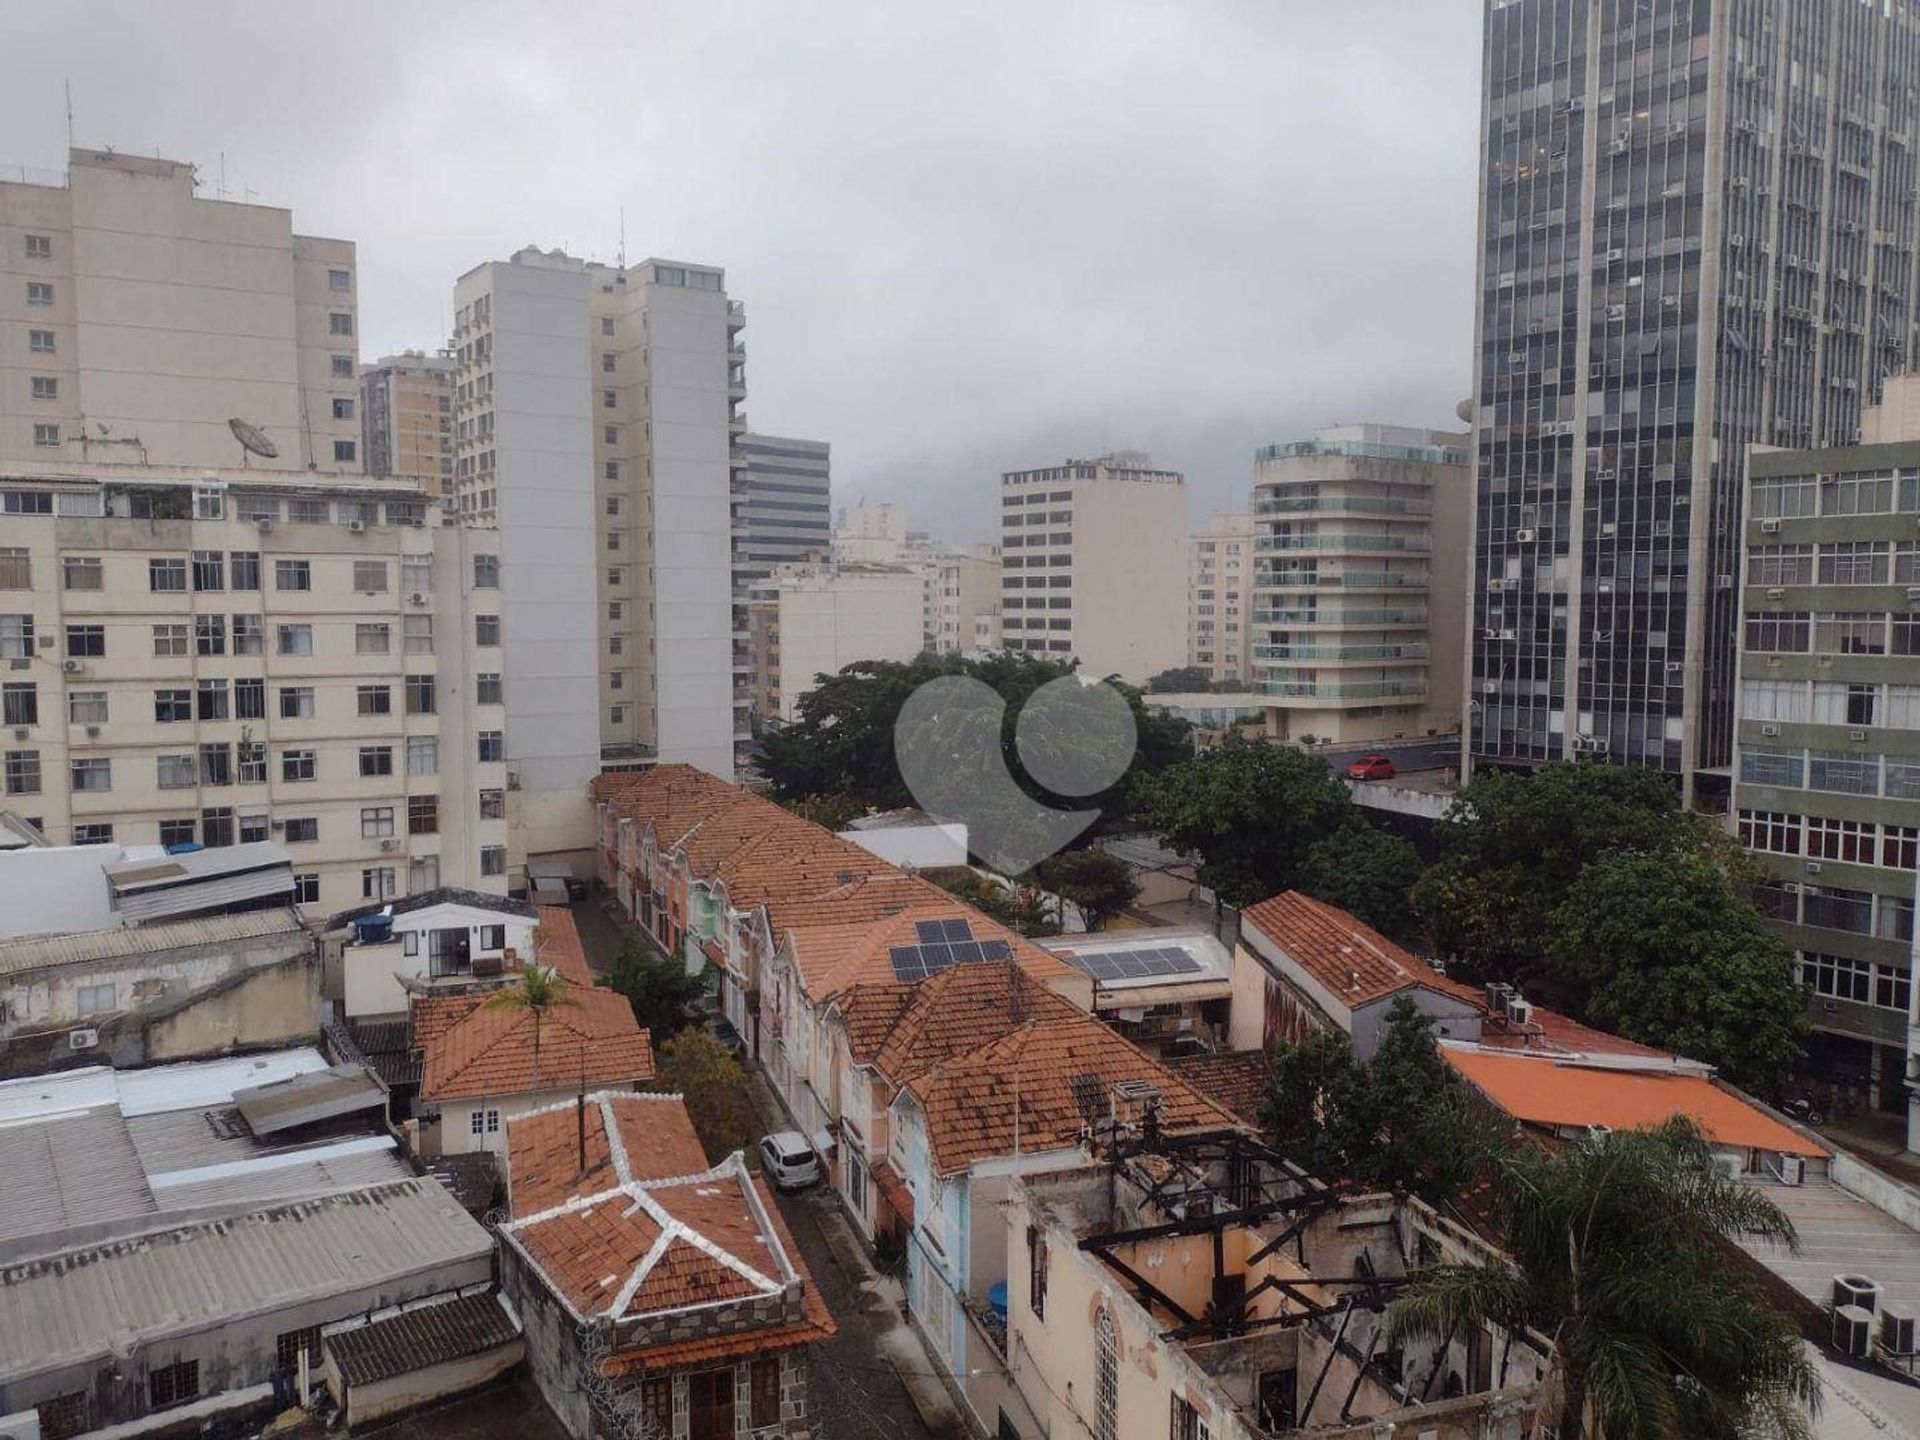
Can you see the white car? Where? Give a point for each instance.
(790, 1161)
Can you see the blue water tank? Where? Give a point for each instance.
(185, 847)
(373, 929)
(997, 1298)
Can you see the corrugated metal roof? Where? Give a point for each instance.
(282, 1177)
(84, 1304)
(200, 1084)
(72, 1171)
(309, 1098)
(415, 1339)
(132, 875)
(85, 947)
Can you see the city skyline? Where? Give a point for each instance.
(1283, 203)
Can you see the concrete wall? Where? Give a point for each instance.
(263, 1009)
(829, 620)
(366, 1404)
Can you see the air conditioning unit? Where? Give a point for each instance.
(419, 524)
(276, 825)
(1896, 1329)
(417, 598)
(1616, 312)
(1770, 731)
(1858, 1292)
(1525, 537)
(1599, 1132)
(21, 732)
(1519, 1012)
(1770, 527)
(1793, 1170)
(82, 1039)
(20, 664)
(93, 732)
(1913, 594)
(356, 527)
(263, 523)
(72, 666)
(1774, 592)
(1852, 1330)
(389, 847)
(1813, 867)
(1856, 735)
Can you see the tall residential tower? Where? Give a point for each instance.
(1696, 232)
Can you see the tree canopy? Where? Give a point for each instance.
(705, 1074)
(660, 991)
(1367, 872)
(1181, 680)
(1099, 884)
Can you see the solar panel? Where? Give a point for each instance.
(995, 950)
(930, 932)
(1143, 964)
(966, 952)
(906, 963)
(958, 930)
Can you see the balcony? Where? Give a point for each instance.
(736, 315)
(1342, 544)
(1347, 690)
(1340, 504)
(1340, 619)
(1410, 651)
(1346, 579)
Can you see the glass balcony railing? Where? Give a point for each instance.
(1336, 504)
(1342, 543)
(1339, 619)
(1411, 651)
(1346, 690)
(1346, 579)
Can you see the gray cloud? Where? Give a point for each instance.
(970, 238)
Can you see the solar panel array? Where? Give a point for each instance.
(1144, 964)
(943, 944)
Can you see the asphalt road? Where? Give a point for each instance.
(1406, 755)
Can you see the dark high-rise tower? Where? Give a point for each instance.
(1697, 225)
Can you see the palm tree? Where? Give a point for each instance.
(1618, 1249)
(541, 991)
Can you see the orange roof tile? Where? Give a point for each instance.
(1542, 1090)
(1235, 1080)
(830, 958)
(958, 1010)
(1019, 1092)
(543, 1149)
(1352, 960)
(556, 942)
(491, 1049)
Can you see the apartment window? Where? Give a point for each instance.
(210, 634)
(212, 699)
(493, 804)
(486, 630)
(93, 773)
(339, 323)
(40, 247)
(1775, 831)
(306, 888)
(302, 830)
(483, 1122)
(296, 702)
(23, 772)
(1854, 562)
(606, 326)
(1899, 847)
(375, 761)
(1857, 495)
(416, 634)
(167, 575)
(423, 874)
(16, 568)
(611, 434)
(170, 640)
(97, 833)
(172, 1385)
(656, 1404)
(249, 635)
(344, 452)
(1895, 918)
(86, 707)
(376, 822)
(309, 512)
(493, 859)
(39, 293)
(612, 471)
(1835, 703)
(614, 576)
(82, 572)
(423, 814)
(487, 690)
(40, 342)
(296, 765)
(609, 399)
(422, 698)
(371, 638)
(250, 758)
(19, 704)
(216, 764)
(423, 755)
(1850, 910)
(1106, 1378)
(1843, 772)
(1849, 634)
(170, 707)
(493, 746)
(613, 540)
(764, 1389)
(295, 639)
(176, 832)
(1839, 976)
(486, 572)
(246, 569)
(342, 367)
(370, 577)
(176, 772)
(374, 700)
(1785, 633)
(209, 570)
(292, 575)
(1848, 840)
(16, 637)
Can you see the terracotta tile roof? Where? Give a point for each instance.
(557, 945)
(434, 1015)
(543, 1149)
(490, 1049)
(1541, 1090)
(1019, 1093)
(831, 958)
(617, 1242)
(1352, 960)
(1235, 1080)
(958, 1010)
(893, 1189)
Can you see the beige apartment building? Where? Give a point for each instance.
(213, 657)
(967, 607)
(1220, 597)
(1093, 558)
(141, 320)
(807, 621)
(1360, 582)
(406, 419)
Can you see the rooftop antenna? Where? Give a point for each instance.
(221, 193)
(69, 85)
(623, 238)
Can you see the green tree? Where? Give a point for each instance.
(1099, 883)
(1618, 1250)
(1670, 950)
(661, 992)
(1367, 872)
(1181, 680)
(705, 1074)
(1250, 810)
(831, 812)
(541, 991)
(1512, 847)
(1021, 908)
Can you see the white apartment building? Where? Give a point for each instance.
(213, 657)
(968, 606)
(141, 319)
(808, 621)
(874, 532)
(1220, 597)
(1094, 565)
(595, 415)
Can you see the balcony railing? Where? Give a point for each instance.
(1334, 504)
(1345, 690)
(1342, 543)
(1339, 619)
(1349, 579)
(1412, 651)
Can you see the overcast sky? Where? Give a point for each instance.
(969, 237)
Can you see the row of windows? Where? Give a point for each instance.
(1799, 632)
(211, 635)
(1846, 562)
(1839, 772)
(1796, 497)
(1857, 842)
(218, 763)
(1841, 977)
(1831, 702)
(1857, 912)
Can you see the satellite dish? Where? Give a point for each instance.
(253, 439)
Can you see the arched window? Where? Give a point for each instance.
(1106, 1379)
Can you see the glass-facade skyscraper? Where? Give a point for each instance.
(1697, 232)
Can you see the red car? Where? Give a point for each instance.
(1371, 767)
